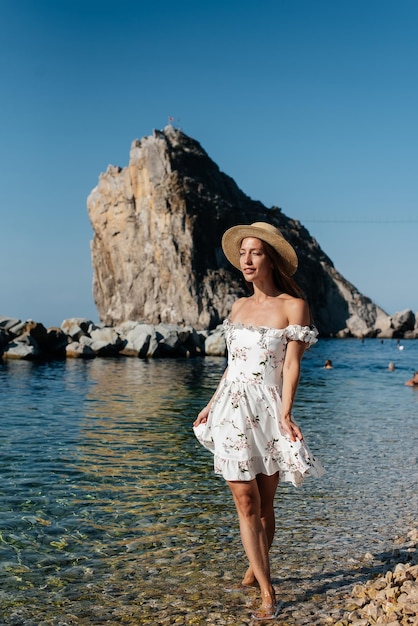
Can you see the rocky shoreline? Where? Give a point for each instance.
(390, 595)
(385, 594)
(82, 338)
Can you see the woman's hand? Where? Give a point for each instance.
(202, 418)
(291, 428)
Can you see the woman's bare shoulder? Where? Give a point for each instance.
(297, 311)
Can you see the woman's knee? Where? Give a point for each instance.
(247, 503)
(246, 497)
(250, 506)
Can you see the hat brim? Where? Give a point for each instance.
(232, 238)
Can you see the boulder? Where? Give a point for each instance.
(411, 334)
(23, 347)
(4, 338)
(402, 322)
(344, 333)
(383, 326)
(76, 350)
(140, 340)
(37, 331)
(77, 327)
(7, 323)
(386, 334)
(51, 341)
(215, 344)
(169, 343)
(358, 327)
(103, 341)
(55, 342)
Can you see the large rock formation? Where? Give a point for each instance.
(156, 248)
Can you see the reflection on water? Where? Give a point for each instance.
(110, 509)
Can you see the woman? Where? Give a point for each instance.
(248, 423)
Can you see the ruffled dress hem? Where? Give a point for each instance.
(293, 461)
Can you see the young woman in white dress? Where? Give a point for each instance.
(248, 423)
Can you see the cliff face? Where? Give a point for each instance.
(156, 249)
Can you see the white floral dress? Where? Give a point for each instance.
(243, 427)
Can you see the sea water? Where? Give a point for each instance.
(111, 514)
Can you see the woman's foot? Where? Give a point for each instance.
(269, 608)
(248, 582)
(249, 579)
(268, 611)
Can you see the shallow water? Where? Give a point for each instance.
(110, 512)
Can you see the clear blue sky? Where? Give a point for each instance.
(308, 105)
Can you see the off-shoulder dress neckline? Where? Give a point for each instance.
(307, 334)
(229, 322)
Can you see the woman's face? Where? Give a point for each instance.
(254, 262)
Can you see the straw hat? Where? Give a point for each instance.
(231, 243)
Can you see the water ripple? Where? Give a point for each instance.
(109, 507)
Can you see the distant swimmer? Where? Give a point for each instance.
(328, 364)
(413, 382)
(391, 366)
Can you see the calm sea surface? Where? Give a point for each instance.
(110, 512)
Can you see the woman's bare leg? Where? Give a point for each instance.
(248, 499)
(267, 487)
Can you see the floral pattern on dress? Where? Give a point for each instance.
(239, 353)
(252, 421)
(243, 426)
(235, 398)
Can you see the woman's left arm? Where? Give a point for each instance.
(298, 313)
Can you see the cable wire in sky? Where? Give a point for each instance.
(358, 221)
